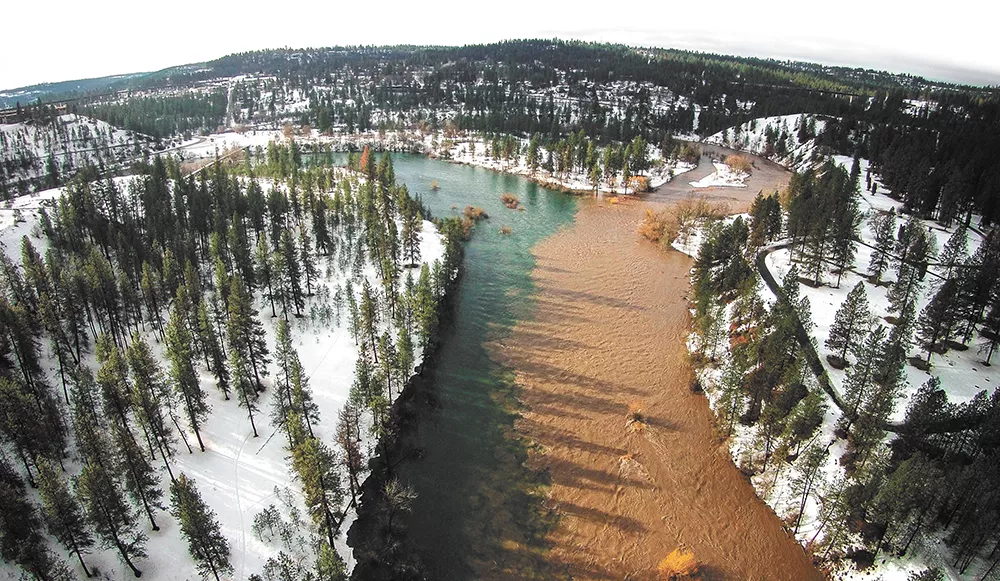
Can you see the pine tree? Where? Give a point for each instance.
(954, 252)
(292, 395)
(308, 261)
(246, 333)
(805, 419)
(991, 332)
(245, 389)
(113, 519)
(264, 263)
(425, 307)
(404, 347)
(151, 397)
(141, 480)
(216, 358)
(20, 428)
(884, 227)
(388, 363)
(904, 292)
(805, 479)
(291, 273)
(316, 468)
(242, 255)
(369, 314)
(151, 293)
(412, 228)
(302, 399)
(938, 319)
(348, 440)
(206, 543)
(852, 319)
(329, 565)
(862, 376)
(63, 514)
(182, 373)
(21, 538)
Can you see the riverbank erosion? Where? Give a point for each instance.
(635, 463)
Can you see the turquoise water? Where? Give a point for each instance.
(472, 499)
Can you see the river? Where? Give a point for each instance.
(574, 315)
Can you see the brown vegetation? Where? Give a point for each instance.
(739, 163)
(678, 565)
(638, 184)
(470, 216)
(635, 420)
(506, 230)
(664, 226)
(475, 213)
(509, 200)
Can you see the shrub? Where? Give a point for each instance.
(505, 230)
(654, 226)
(638, 184)
(635, 420)
(664, 226)
(738, 163)
(509, 200)
(475, 213)
(679, 564)
(689, 152)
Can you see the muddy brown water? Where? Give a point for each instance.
(578, 326)
(607, 335)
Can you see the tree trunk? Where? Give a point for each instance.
(79, 555)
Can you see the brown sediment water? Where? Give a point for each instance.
(608, 332)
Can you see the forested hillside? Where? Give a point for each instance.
(887, 442)
(46, 149)
(153, 327)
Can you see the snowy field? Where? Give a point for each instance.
(962, 373)
(238, 475)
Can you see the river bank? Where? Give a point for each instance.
(606, 340)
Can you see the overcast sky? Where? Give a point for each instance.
(46, 41)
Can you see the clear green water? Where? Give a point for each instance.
(472, 494)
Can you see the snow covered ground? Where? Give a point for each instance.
(473, 151)
(238, 475)
(724, 177)
(71, 140)
(207, 146)
(752, 137)
(961, 372)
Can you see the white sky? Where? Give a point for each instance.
(58, 40)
